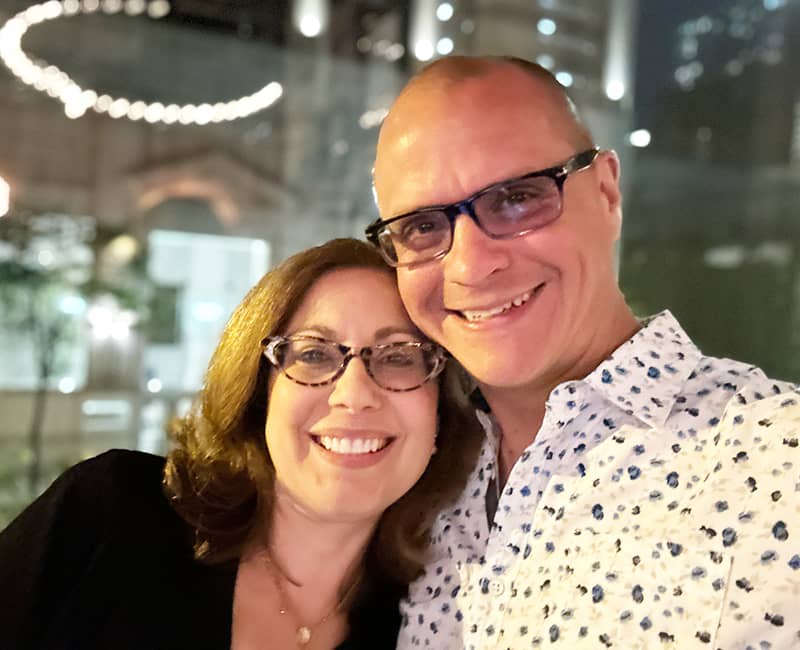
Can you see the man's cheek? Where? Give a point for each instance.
(412, 292)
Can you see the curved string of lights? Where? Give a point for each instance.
(49, 79)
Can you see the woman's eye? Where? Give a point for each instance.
(315, 355)
(398, 358)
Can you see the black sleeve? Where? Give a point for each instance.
(47, 548)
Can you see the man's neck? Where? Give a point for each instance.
(520, 410)
(519, 413)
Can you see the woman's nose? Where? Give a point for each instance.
(354, 389)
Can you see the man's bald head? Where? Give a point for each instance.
(446, 74)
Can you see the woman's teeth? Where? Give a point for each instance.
(476, 315)
(352, 445)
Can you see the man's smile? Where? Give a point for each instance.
(477, 315)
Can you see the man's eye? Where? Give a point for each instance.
(516, 198)
(419, 227)
(416, 229)
(521, 197)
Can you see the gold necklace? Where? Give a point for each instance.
(302, 632)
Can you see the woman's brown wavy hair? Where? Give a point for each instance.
(219, 476)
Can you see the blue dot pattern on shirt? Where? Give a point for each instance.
(655, 508)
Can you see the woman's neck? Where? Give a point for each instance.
(310, 550)
(299, 572)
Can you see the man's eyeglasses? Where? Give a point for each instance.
(314, 361)
(503, 210)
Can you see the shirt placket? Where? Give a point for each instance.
(495, 582)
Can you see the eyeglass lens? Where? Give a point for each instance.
(504, 211)
(398, 366)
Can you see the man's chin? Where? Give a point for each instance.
(497, 374)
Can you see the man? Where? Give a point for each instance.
(630, 492)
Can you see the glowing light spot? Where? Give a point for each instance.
(564, 78)
(310, 26)
(444, 11)
(444, 46)
(546, 61)
(546, 27)
(639, 138)
(615, 90)
(67, 385)
(423, 51)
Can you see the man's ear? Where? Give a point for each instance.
(609, 172)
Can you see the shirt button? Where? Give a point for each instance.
(496, 587)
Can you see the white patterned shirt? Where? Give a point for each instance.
(657, 507)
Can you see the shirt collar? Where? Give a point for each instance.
(646, 374)
(643, 376)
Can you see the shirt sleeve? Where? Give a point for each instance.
(45, 550)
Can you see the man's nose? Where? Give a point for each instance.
(473, 255)
(354, 389)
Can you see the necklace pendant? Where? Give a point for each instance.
(303, 635)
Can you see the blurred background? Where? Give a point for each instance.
(156, 158)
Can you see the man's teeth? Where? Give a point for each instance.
(476, 315)
(353, 445)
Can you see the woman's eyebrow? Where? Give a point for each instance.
(386, 332)
(380, 333)
(322, 330)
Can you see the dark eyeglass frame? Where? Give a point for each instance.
(271, 344)
(559, 173)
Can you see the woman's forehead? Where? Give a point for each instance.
(358, 302)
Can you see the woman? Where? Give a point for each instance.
(295, 505)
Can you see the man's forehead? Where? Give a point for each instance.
(473, 109)
(445, 139)
(495, 144)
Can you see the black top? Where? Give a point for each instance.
(101, 560)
